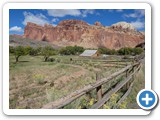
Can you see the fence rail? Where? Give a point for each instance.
(108, 95)
(124, 96)
(97, 85)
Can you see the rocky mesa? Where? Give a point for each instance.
(77, 32)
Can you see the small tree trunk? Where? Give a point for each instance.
(46, 58)
(17, 57)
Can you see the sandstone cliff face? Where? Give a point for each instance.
(76, 32)
(123, 26)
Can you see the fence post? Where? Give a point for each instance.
(126, 73)
(127, 84)
(133, 74)
(98, 89)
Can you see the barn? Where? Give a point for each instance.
(90, 53)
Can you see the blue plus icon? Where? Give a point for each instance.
(147, 99)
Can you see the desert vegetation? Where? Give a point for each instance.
(39, 75)
(122, 51)
(48, 51)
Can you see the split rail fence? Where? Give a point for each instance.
(129, 71)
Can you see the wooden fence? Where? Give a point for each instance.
(129, 71)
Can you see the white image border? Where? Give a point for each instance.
(8, 6)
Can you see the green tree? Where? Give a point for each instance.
(137, 50)
(71, 50)
(28, 49)
(47, 52)
(35, 51)
(125, 51)
(63, 51)
(19, 51)
(107, 51)
(11, 49)
(130, 51)
(78, 49)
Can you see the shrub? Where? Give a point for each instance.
(19, 51)
(125, 51)
(137, 51)
(71, 50)
(123, 105)
(35, 51)
(47, 52)
(107, 51)
(130, 51)
(28, 49)
(122, 51)
(51, 60)
(39, 79)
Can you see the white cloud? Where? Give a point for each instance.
(42, 16)
(136, 14)
(63, 12)
(55, 19)
(38, 18)
(16, 29)
(138, 24)
(140, 12)
(71, 12)
(133, 15)
(87, 11)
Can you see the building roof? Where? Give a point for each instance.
(88, 53)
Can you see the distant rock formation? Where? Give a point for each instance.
(123, 26)
(98, 24)
(77, 32)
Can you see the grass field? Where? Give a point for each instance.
(34, 83)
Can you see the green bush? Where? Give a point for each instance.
(107, 51)
(28, 49)
(39, 79)
(35, 51)
(19, 51)
(125, 51)
(71, 50)
(137, 50)
(47, 52)
(130, 51)
(122, 51)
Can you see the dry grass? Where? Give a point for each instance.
(139, 84)
(34, 83)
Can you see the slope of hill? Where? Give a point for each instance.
(15, 40)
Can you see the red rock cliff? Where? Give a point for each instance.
(77, 32)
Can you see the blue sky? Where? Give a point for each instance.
(18, 18)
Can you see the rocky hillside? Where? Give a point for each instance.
(77, 32)
(17, 40)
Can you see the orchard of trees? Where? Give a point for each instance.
(48, 51)
(122, 51)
